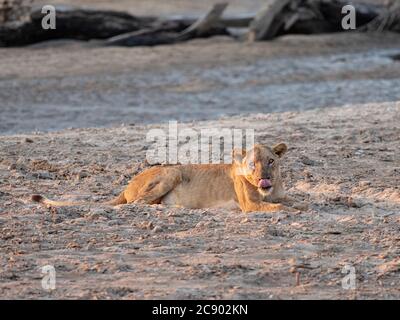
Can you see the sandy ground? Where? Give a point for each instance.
(333, 98)
(344, 161)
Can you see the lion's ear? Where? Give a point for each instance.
(280, 149)
(238, 155)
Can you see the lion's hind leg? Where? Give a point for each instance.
(157, 186)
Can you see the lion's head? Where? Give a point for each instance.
(260, 166)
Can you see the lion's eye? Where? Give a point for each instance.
(252, 165)
(271, 161)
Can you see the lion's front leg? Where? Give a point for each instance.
(266, 207)
(250, 200)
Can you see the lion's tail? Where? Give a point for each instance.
(40, 199)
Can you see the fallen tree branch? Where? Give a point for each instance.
(204, 25)
(162, 34)
(306, 17)
(118, 28)
(81, 24)
(262, 27)
(146, 37)
(389, 20)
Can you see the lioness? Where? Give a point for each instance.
(252, 183)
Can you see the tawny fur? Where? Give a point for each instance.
(211, 185)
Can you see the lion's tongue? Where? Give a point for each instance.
(264, 183)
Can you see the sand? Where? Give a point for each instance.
(344, 161)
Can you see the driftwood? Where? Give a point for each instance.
(78, 24)
(262, 27)
(169, 32)
(306, 17)
(118, 28)
(224, 22)
(389, 20)
(165, 32)
(204, 25)
(146, 37)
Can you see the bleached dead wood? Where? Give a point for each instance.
(389, 20)
(118, 28)
(204, 25)
(306, 17)
(262, 27)
(162, 34)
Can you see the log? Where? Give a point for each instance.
(316, 17)
(118, 28)
(147, 37)
(168, 32)
(306, 17)
(80, 24)
(389, 20)
(203, 26)
(224, 22)
(263, 27)
(332, 12)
